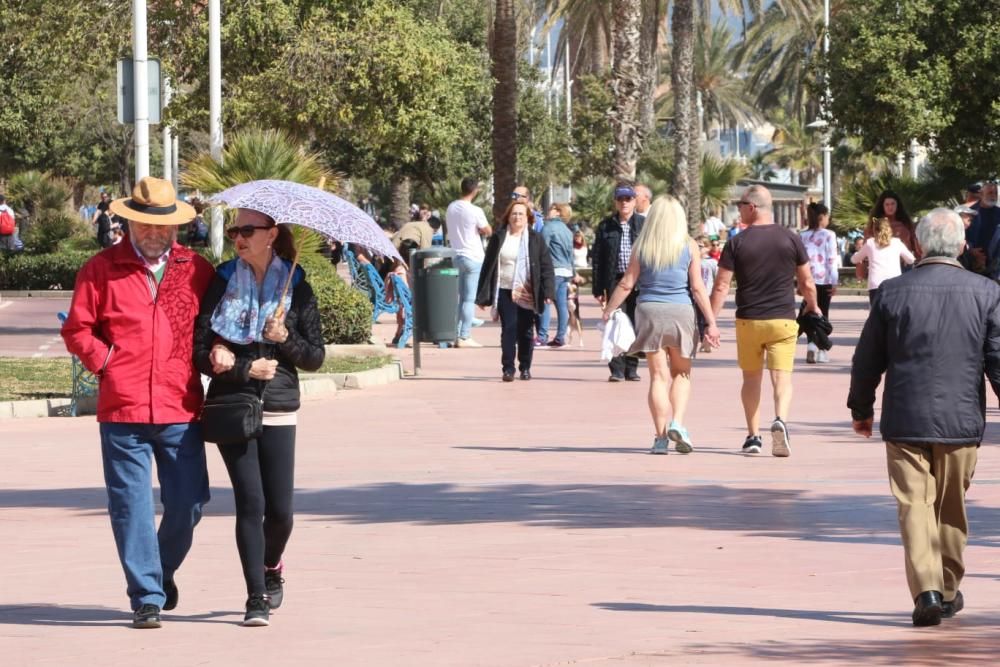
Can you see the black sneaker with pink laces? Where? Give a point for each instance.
(275, 585)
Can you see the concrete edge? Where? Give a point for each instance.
(37, 293)
(312, 385)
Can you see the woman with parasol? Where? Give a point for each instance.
(258, 324)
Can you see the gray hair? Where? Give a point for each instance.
(759, 196)
(941, 233)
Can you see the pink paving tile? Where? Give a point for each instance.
(452, 519)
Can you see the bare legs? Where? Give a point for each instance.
(781, 385)
(669, 387)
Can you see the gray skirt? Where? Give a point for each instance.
(663, 325)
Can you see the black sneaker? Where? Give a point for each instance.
(752, 445)
(170, 589)
(146, 616)
(258, 611)
(275, 590)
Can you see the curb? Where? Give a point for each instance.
(37, 294)
(311, 385)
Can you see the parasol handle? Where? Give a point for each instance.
(279, 312)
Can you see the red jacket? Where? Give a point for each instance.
(140, 348)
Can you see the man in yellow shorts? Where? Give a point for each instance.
(765, 259)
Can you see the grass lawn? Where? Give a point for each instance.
(25, 379)
(354, 364)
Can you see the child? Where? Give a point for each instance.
(709, 269)
(883, 252)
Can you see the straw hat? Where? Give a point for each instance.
(153, 202)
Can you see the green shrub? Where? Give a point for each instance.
(41, 272)
(49, 229)
(345, 312)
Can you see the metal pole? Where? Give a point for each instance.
(215, 111)
(414, 300)
(569, 98)
(140, 80)
(168, 140)
(827, 149)
(215, 77)
(827, 173)
(176, 155)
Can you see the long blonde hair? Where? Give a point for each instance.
(664, 234)
(883, 232)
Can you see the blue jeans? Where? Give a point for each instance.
(468, 283)
(562, 312)
(150, 556)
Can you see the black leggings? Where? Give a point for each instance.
(261, 472)
(823, 297)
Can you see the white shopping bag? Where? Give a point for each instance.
(617, 335)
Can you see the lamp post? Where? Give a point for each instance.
(140, 78)
(823, 126)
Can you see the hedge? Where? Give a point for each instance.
(41, 272)
(346, 313)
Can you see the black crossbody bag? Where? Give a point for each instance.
(228, 419)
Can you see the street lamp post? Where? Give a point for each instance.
(827, 149)
(140, 79)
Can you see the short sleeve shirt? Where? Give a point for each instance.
(464, 221)
(764, 259)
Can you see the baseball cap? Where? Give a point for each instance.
(624, 191)
(974, 187)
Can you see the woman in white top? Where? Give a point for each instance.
(821, 247)
(884, 252)
(580, 250)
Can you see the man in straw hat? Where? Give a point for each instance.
(131, 323)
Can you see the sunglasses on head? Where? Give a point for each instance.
(246, 231)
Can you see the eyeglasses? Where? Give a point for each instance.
(246, 231)
(744, 202)
(518, 195)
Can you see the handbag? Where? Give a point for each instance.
(231, 418)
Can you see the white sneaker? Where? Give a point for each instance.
(822, 357)
(780, 442)
(811, 353)
(467, 342)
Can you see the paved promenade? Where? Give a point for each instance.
(455, 520)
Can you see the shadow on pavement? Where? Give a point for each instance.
(51, 614)
(781, 513)
(857, 617)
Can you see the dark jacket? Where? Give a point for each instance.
(303, 348)
(543, 278)
(933, 331)
(604, 253)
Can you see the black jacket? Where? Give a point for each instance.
(933, 331)
(303, 348)
(604, 253)
(543, 278)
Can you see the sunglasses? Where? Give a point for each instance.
(246, 231)
(624, 198)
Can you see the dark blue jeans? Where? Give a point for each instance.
(150, 556)
(516, 327)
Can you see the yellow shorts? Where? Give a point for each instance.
(776, 337)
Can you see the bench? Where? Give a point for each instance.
(366, 279)
(85, 383)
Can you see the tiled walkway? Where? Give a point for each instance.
(454, 520)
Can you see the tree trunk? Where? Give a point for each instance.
(652, 18)
(400, 190)
(627, 86)
(693, 208)
(504, 71)
(682, 82)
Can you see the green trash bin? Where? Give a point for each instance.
(435, 295)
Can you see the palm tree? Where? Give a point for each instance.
(252, 155)
(717, 177)
(687, 150)
(626, 86)
(796, 148)
(504, 70)
(761, 168)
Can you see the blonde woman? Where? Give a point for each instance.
(884, 252)
(666, 267)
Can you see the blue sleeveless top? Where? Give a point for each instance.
(669, 285)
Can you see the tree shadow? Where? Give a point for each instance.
(795, 514)
(854, 617)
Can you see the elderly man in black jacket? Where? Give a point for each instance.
(610, 254)
(933, 332)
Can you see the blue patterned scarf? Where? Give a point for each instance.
(240, 315)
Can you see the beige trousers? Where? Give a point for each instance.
(929, 483)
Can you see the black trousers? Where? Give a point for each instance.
(262, 474)
(624, 366)
(823, 297)
(517, 327)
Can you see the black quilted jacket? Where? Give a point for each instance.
(303, 349)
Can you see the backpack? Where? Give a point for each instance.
(6, 222)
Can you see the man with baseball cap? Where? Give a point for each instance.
(611, 253)
(131, 323)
